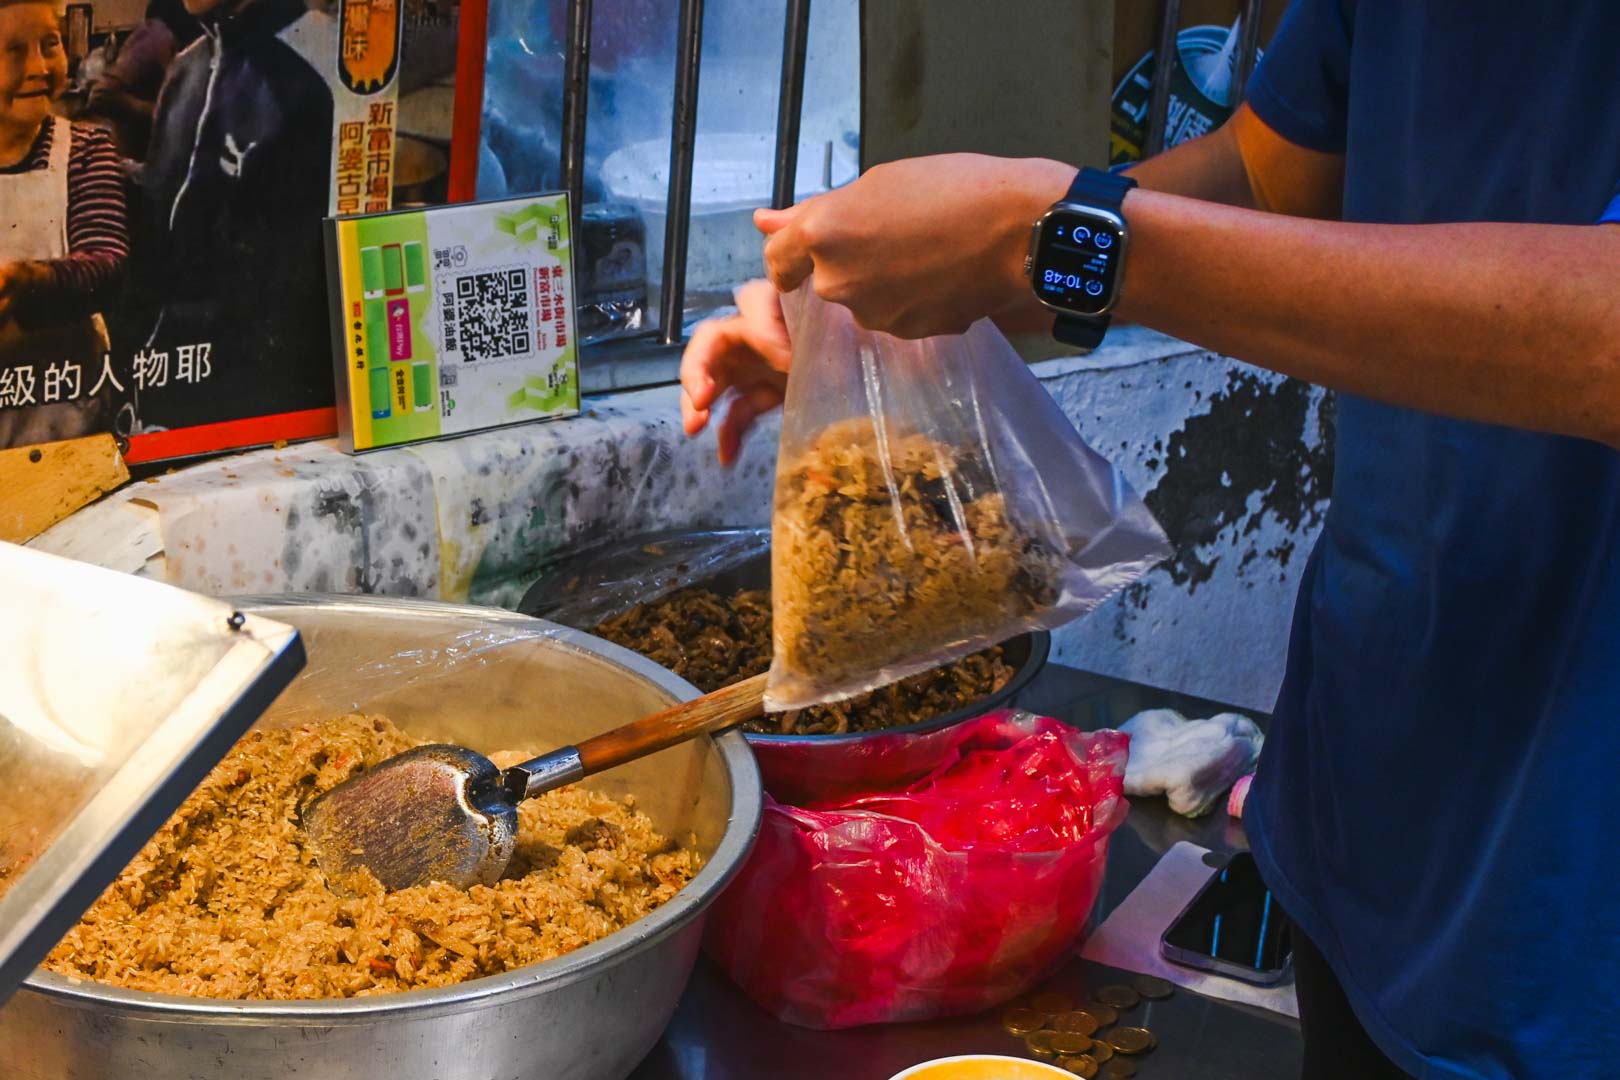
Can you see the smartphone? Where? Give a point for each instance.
(1232, 927)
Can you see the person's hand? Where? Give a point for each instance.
(918, 247)
(747, 352)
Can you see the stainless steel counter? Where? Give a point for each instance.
(719, 1034)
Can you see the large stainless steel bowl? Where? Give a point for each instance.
(490, 680)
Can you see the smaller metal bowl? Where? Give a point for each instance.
(805, 768)
(815, 768)
(588, 586)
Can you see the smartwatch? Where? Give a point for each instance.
(1076, 256)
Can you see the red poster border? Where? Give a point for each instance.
(231, 435)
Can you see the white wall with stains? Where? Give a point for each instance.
(1235, 462)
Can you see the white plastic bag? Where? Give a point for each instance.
(931, 500)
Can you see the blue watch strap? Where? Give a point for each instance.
(1106, 191)
(1081, 331)
(1094, 187)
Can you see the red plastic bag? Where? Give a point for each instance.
(948, 897)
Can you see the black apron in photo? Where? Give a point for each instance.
(77, 346)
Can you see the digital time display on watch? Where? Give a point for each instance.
(1075, 265)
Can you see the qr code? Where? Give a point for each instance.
(487, 315)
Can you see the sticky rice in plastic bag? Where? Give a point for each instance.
(931, 500)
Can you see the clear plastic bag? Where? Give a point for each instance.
(947, 897)
(931, 500)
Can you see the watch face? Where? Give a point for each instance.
(1077, 259)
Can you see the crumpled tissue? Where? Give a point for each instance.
(1191, 762)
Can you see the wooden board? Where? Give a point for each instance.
(41, 485)
(1024, 79)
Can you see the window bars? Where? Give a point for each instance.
(647, 355)
(576, 97)
(1169, 30)
(790, 102)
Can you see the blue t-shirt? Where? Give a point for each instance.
(1434, 801)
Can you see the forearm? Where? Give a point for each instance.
(1209, 167)
(1508, 324)
(53, 291)
(82, 282)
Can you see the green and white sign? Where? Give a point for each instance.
(453, 319)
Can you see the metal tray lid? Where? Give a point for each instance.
(117, 695)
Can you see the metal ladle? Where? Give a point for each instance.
(447, 813)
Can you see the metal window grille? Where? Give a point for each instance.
(653, 356)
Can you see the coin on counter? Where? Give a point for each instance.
(1101, 1051)
(1021, 1022)
(1079, 1021)
(1131, 1040)
(1070, 1042)
(1118, 997)
(1104, 1014)
(1119, 1069)
(1083, 1065)
(1039, 1043)
(1051, 1004)
(1152, 987)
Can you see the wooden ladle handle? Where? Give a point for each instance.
(726, 707)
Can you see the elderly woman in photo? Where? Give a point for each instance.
(63, 243)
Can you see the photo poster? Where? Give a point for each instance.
(195, 321)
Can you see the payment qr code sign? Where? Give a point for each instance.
(453, 319)
(488, 315)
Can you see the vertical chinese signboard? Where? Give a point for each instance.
(368, 62)
(452, 319)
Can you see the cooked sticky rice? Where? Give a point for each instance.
(890, 556)
(713, 641)
(227, 902)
